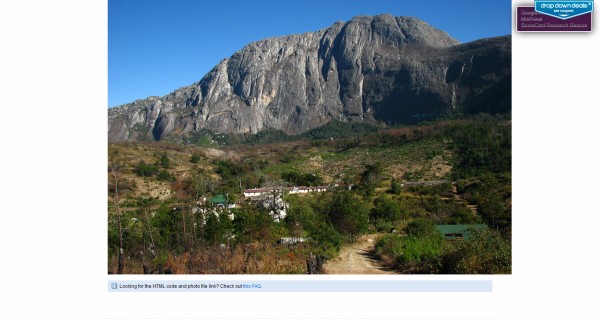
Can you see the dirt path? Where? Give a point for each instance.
(474, 208)
(356, 259)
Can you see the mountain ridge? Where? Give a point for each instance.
(369, 69)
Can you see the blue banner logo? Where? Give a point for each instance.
(564, 9)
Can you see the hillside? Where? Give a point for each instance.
(157, 213)
(336, 160)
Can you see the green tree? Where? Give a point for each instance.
(164, 160)
(145, 205)
(421, 228)
(308, 179)
(164, 175)
(167, 222)
(327, 240)
(218, 227)
(198, 185)
(387, 209)
(485, 252)
(115, 172)
(145, 170)
(252, 224)
(396, 187)
(492, 206)
(370, 177)
(348, 214)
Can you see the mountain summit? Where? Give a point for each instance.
(369, 69)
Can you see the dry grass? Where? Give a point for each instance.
(255, 258)
(128, 155)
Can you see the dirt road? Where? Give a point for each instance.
(356, 259)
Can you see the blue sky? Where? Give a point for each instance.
(157, 46)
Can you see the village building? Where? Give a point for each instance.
(254, 192)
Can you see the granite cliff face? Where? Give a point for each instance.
(372, 69)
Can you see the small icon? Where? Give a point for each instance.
(113, 285)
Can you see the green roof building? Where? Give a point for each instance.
(219, 199)
(457, 231)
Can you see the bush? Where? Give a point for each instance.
(328, 240)
(384, 226)
(300, 216)
(164, 175)
(145, 170)
(442, 190)
(412, 254)
(389, 245)
(227, 169)
(482, 147)
(485, 252)
(420, 249)
(396, 188)
(421, 228)
(298, 179)
(164, 160)
(492, 192)
(195, 158)
(387, 209)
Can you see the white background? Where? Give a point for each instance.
(53, 102)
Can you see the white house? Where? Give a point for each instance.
(253, 192)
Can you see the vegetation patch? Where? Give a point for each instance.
(395, 183)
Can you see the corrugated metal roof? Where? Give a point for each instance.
(218, 199)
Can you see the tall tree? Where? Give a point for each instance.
(145, 204)
(114, 170)
(198, 186)
(348, 214)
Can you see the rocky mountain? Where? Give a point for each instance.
(369, 69)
